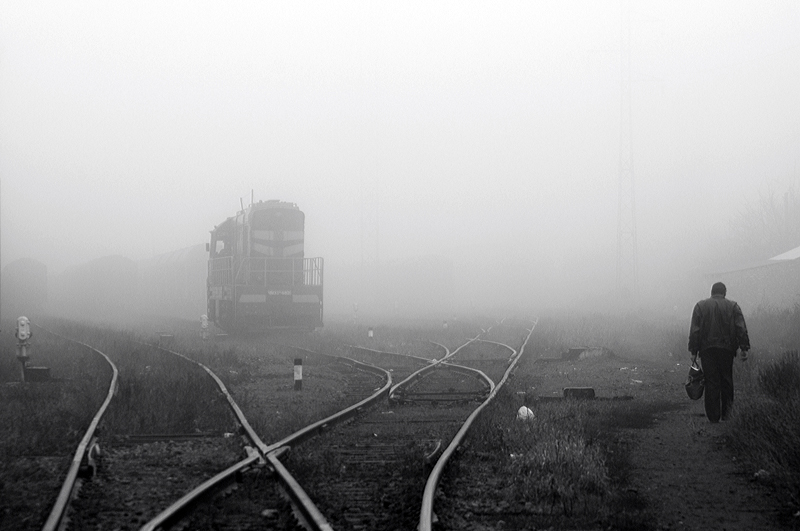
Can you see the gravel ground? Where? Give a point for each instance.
(137, 481)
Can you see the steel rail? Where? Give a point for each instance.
(318, 427)
(426, 511)
(248, 429)
(312, 516)
(411, 356)
(402, 394)
(513, 351)
(176, 512)
(416, 375)
(173, 514)
(67, 488)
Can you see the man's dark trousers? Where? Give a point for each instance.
(718, 372)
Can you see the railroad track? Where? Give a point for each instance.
(84, 460)
(376, 453)
(374, 472)
(117, 478)
(138, 472)
(427, 515)
(370, 473)
(269, 497)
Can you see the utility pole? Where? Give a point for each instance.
(626, 214)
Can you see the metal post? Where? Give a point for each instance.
(298, 374)
(22, 357)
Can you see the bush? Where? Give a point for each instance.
(780, 379)
(764, 430)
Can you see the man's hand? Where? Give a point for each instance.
(694, 358)
(744, 355)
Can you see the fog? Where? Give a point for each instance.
(481, 135)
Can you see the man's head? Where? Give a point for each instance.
(718, 289)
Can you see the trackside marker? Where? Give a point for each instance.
(298, 374)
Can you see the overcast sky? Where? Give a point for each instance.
(485, 132)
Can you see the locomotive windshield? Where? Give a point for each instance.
(278, 219)
(277, 233)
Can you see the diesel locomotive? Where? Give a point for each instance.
(258, 275)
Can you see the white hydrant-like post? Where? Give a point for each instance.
(204, 327)
(24, 335)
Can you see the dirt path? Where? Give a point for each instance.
(682, 467)
(692, 481)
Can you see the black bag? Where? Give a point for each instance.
(695, 383)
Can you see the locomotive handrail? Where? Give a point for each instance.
(426, 511)
(221, 276)
(306, 270)
(64, 495)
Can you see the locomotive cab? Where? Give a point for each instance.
(258, 276)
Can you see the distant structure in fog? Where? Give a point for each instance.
(174, 284)
(104, 288)
(421, 285)
(626, 215)
(772, 283)
(24, 284)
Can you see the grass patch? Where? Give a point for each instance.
(49, 418)
(764, 426)
(628, 336)
(570, 466)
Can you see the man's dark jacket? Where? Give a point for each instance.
(718, 323)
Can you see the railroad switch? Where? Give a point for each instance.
(252, 452)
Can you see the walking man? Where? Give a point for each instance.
(717, 331)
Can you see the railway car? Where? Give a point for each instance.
(173, 284)
(258, 275)
(103, 288)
